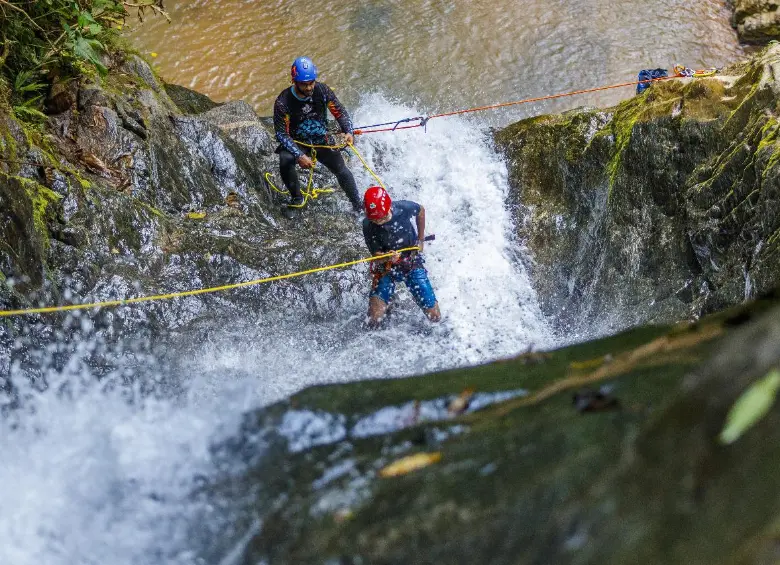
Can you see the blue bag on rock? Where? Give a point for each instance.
(648, 74)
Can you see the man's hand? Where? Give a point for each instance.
(349, 139)
(305, 162)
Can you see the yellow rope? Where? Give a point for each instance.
(373, 174)
(50, 309)
(311, 193)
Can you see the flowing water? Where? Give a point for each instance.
(99, 473)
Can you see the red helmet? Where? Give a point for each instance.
(377, 203)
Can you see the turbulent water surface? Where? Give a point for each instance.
(440, 54)
(99, 473)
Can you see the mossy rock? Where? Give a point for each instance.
(656, 209)
(189, 101)
(756, 21)
(634, 473)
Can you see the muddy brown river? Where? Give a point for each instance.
(435, 55)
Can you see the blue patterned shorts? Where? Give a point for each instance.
(416, 281)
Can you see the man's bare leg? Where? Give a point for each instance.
(433, 313)
(377, 308)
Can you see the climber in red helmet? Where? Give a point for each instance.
(389, 226)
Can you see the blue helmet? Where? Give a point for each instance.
(303, 70)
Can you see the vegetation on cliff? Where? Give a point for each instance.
(57, 40)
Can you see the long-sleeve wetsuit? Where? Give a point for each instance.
(305, 119)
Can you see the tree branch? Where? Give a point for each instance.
(18, 9)
(155, 5)
(6, 50)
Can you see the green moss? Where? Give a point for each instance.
(743, 104)
(768, 134)
(40, 199)
(703, 99)
(149, 207)
(768, 144)
(622, 128)
(774, 238)
(10, 146)
(700, 100)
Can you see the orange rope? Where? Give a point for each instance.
(516, 102)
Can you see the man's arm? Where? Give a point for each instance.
(421, 228)
(282, 128)
(338, 110)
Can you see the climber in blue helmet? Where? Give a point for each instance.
(300, 117)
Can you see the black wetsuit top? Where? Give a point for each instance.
(399, 232)
(306, 119)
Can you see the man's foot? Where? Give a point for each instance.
(296, 202)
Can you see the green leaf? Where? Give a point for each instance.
(28, 114)
(87, 49)
(95, 29)
(31, 102)
(750, 407)
(32, 87)
(85, 19)
(22, 78)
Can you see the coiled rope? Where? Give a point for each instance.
(311, 192)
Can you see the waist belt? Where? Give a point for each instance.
(408, 262)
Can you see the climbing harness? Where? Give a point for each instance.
(310, 192)
(405, 264)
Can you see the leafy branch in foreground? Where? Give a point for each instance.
(47, 39)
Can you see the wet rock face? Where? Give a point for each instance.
(101, 202)
(658, 209)
(385, 472)
(756, 21)
(189, 101)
